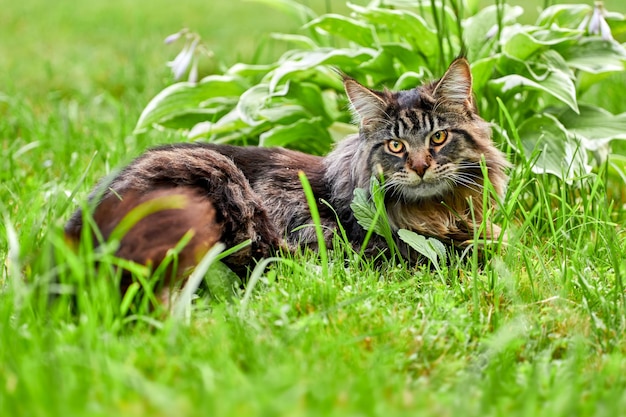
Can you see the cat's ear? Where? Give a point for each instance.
(455, 87)
(368, 104)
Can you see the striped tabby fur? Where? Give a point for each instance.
(427, 143)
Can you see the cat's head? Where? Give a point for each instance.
(429, 141)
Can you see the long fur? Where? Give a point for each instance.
(234, 193)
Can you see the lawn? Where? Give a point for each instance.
(539, 330)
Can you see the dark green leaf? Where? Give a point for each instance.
(255, 104)
(306, 60)
(345, 27)
(482, 72)
(563, 15)
(309, 96)
(556, 151)
(383, 68)
(480, 30)
(249, 70)
(251, 102)
(525, 43)
(403, 24)
(365, 211)
(300, 41)
(594, 55)
(550, 78)
(430, 248)
(182, 98)
(595, 126)
(190, 118)
(303, 132)
(222, 283)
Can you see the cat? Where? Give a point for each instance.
(426, 143)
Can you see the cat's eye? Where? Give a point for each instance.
(439, 137)
(395, 146)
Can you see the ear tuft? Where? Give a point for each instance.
(368, 104)
(455, 87)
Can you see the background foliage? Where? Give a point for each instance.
(537, 331)
(532, 78)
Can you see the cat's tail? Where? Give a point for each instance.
(149, 224)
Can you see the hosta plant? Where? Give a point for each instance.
(530, 79)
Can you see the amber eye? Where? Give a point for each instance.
(395, 146)
(439, 137)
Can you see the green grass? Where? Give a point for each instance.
(539, 330)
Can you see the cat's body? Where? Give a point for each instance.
(426, 143)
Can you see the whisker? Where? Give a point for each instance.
(467, 182)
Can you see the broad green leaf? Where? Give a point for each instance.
(553, 81)
(191, 117)
(335, 106)
(480, 30)
(594, 55)
(383, 68)
(617, 168)
(324, 77)
(523, 43)
(404, 55)
(306, 60)
(516, 83)
(379, 69)
(222, 282)
(556, 151)
(249, 70)
(600, 89)
(430, 248)
(444, 13)
(254, 100)
(365, 211)
(309, 96)
(298, 134)
(410, 80)
(345, 27)
(563, 15)
(482, 71)
(439, 248)
(283, 114)
(617, 23)
(229, 123)
(339, 130)
(178, 99)
(300, 41)
(251, 102)
(295, 100)
(378, 200)
(595, 126)
(556, 35)
(403, 24)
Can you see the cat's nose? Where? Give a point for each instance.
(420, 166)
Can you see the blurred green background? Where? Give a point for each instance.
(81, 49)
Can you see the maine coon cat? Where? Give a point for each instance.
(427, 143)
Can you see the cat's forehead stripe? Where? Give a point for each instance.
(413, 120)
(398, 129)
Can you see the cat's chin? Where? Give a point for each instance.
(425, 191)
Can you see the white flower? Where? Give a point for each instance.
(180, 64)
(596, 23)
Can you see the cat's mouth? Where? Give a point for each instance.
(426, 189)
(415, 188)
